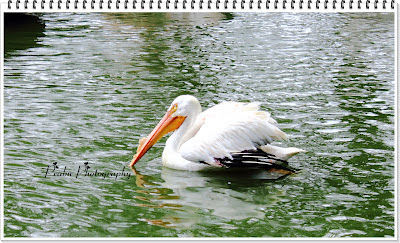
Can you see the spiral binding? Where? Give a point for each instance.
(201, 4)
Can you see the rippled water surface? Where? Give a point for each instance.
(85, 87)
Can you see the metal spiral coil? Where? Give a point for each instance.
(202, 4)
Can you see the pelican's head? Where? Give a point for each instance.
(182, 107)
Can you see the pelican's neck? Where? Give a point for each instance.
(181, 135)
(185, 132)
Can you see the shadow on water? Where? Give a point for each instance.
(21, 31)
(231, 195)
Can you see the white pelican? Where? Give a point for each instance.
(228, 135)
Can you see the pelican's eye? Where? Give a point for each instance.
(174, 108)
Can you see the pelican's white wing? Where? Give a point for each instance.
(228, 128)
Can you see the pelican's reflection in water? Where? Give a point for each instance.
(195, 197)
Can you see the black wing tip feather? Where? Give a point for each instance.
(254, 159)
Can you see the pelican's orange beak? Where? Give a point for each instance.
(166, 125)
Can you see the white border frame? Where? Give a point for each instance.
(280, 8)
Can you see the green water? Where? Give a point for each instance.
(86, 87)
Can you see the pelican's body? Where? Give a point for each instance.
(228, 135)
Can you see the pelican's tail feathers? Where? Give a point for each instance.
(281, 153)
